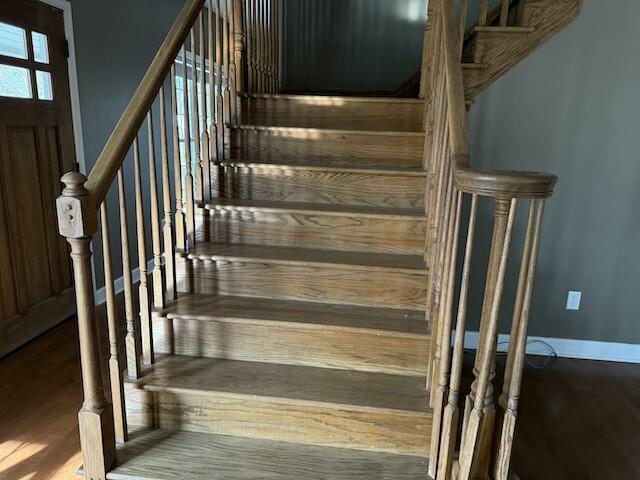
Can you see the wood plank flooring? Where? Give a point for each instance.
(579, 419)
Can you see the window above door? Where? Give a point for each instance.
(24, 64)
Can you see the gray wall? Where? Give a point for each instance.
(115, 42)
(573, 108)
(351, 45)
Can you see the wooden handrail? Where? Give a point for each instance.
(498, 184)
(113, 153)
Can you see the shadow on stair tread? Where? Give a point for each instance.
(306, 256)
(174, 455)
(314, 315)
(231, 204)
(289, 384)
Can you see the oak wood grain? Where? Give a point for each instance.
(323, 183)
(349, 113)
(307, 405)
(311, 226)
(402, 289)
(295, 333)
(298, 145)
(171, 455)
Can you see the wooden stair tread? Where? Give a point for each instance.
(305, 256)
(319, 131)
(253, 160)
(333, 98)
(231, 204)
(287, 383)
(318, 315)
(174, 455)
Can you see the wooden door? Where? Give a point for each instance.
(36, 148)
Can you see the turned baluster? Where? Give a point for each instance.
(220, 118)
(265, 46)
(464, 8)
(177, 165)
(475, 452)
(77, 222)
(256, 42)
(446, 313)
(515, 360)
(188, 162)
(276, 50)
(143, 287)
(504, 12)
(130, 340)
(451, 410)
(260, 46)
(484, 13)
(233, 87)
(195, 112)
(517, 309)
(115, 372)
(167, 220)
(239, 48)
(204, 130)
(248, 12)
(443, 196)
(212, 131)
(156, 242)
(226, 96)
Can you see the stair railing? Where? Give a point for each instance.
(454, 191)
(263, 25)
(168, 148)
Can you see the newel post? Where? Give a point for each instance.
(77, 222)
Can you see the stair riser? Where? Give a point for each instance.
(294, 344)
(376, 288)
(325, 187)
(275, 419)
(337, 147)
(318, 112)
(316, 230)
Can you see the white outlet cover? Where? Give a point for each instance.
(573, 300)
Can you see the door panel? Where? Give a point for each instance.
(36, 148)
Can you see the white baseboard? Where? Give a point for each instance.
(567, 348)
(100, 295)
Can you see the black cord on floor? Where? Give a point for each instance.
(550, 358)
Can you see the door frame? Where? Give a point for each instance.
(74, 90)
(74, 94)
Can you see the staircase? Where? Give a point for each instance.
(300, 316)
(296, 318)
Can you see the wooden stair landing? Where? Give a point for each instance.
(173, 455)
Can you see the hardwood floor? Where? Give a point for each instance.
(40, 395)
(579, 420)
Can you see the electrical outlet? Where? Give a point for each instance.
(573, 300)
